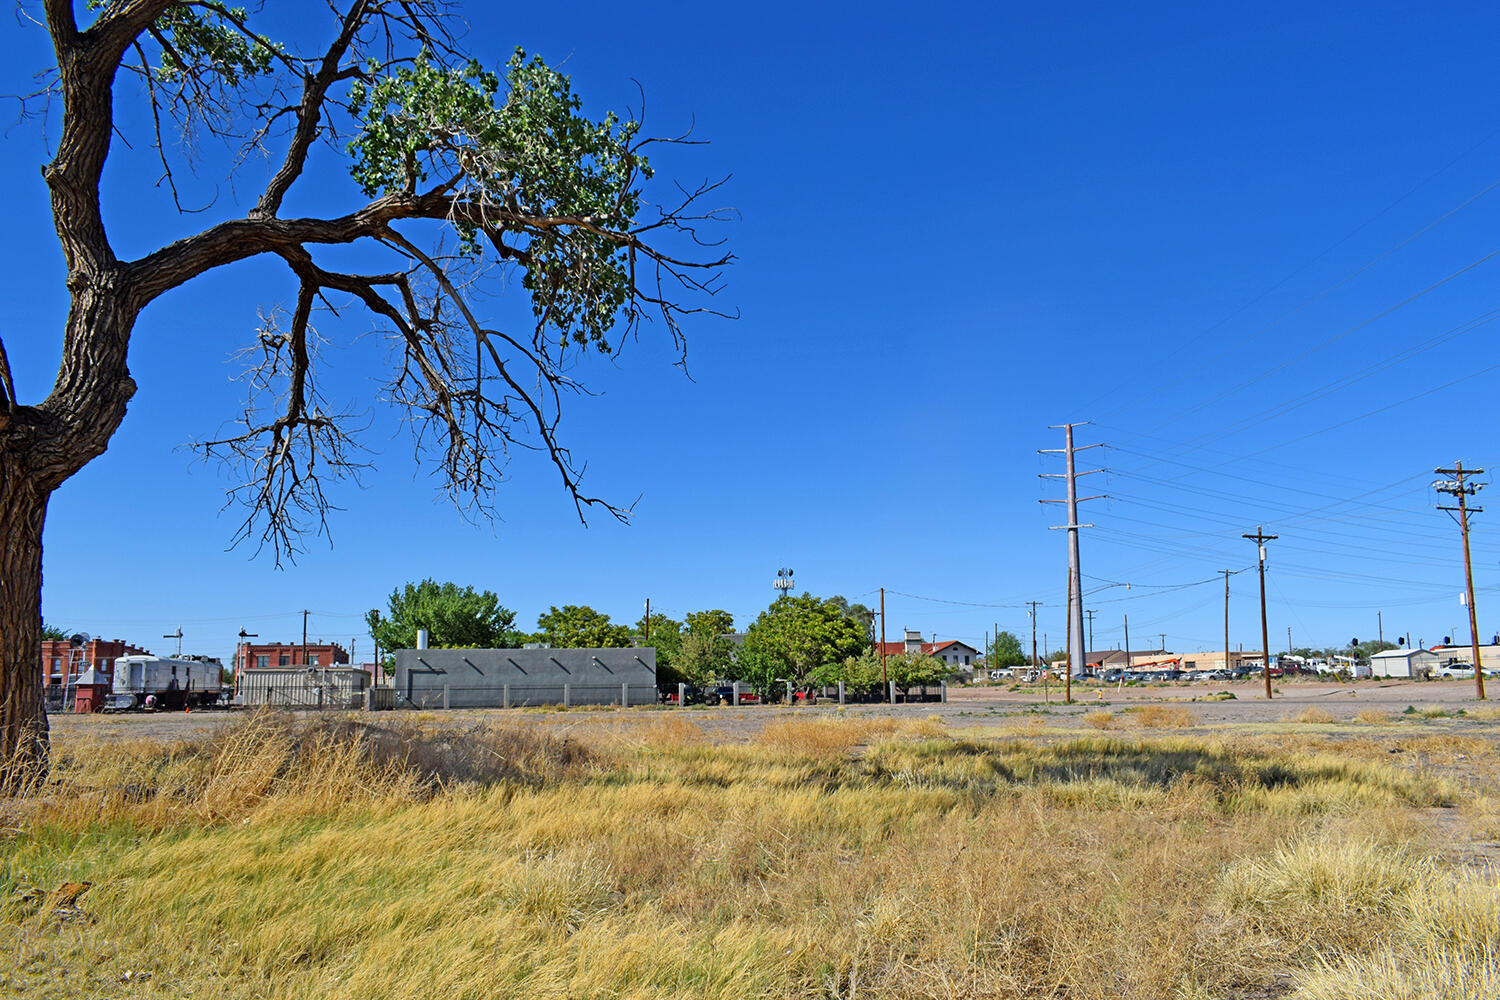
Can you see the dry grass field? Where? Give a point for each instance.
(825, 856)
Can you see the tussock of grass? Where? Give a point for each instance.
(1322, 891)
(839, 735)
(1372, 717)
(278, 762)
(1443, 944)
(1100, 719)
(670, 731)
(1162, 716)
(1314, 716)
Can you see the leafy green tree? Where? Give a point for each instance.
(909, 670)
(666, 638)
(1005, 651)
(53, 633)
(858, 613)
(454, 617)
(464, 182)
(715, 622)
(578, 626)
(858, 673)
(799, 634)
(704, 657)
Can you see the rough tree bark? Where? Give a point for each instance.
(23, 719)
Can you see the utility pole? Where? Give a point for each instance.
(1260, 538)
(1127, 653)
(885, 685)
(1379, 629)
(375, 635)
(648, 621)
(304, 638)
(1288, 640)
(1034, 662)
(1226, 573)
(1459, 486)
(1075, 573)
(1163, 637)
(1090, 651)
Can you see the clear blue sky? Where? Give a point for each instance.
(1214, 232)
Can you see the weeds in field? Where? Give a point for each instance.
(1100, 719)
(1372, 717)
(1314, 716)
(347, 861)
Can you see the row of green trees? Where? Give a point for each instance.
(803, 639)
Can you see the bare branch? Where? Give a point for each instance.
(310, 111)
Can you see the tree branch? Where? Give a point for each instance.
(310, 111)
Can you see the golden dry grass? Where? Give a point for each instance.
(1162, 716)
(1314, 716)
(1372, 717)
(353, 860)
(1100, 719)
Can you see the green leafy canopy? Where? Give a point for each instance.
(533, 152)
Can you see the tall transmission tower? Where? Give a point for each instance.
(1460, 486)
(1076, 664)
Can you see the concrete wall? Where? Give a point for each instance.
(499, 678)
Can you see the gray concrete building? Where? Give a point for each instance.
(514, 678)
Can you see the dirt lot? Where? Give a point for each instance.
(976, 708)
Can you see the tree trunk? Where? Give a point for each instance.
(23, 716)
(40, 447)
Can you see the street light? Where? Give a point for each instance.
(240, 655)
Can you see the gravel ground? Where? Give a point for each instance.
(976, 708)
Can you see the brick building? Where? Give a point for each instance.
(61, 659)
(262, 655)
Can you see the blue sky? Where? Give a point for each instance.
(1250, 245)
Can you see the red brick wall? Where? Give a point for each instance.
(60, 657)
(325, 654)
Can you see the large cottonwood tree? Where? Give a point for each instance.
(455, 174)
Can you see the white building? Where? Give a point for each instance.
(1415, 663)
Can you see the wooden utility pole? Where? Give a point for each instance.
(885, 685)
(1260, 538)
(1460, 487)
(1127, 653)
(1034, 661)
(1226, 618)
(304, 638)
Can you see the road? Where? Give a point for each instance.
(978, 707)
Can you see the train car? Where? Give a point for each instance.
(165, 682)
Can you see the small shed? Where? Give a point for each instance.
(90, 690)
(1417, 664)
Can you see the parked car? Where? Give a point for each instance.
(1112, 676)
(1457, 671)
